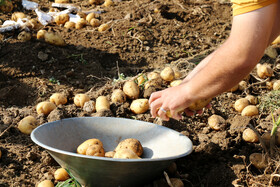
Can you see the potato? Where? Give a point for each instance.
(95, 22)
(139, 106)
(61, 174)
(269, 84)
(46, 183)
(126, 154)
(156, 10)
(18, 15)
(108, 3)
(216, 122)
(110, 154)
(130, 143)
(45, 107)
(175, 83)
(33, 24)
(61, 1)
(82, 15)
(249, 135)
(27, 124)
(258, 160)
(240, 104)
(69, 24)
(157, 82)
(82, 149)
(58, 99)
(264, 71)
(95, 2)
(140, 80)
(24, 36)
(153, 75)
(176, 182)
(177, 74)
(250, 110)
(103, 27)
(81, 23)
(266, 138)
(131, 89)
(242, 85)
(276, 85)
(102, 103)
(41, 34)
(252, 99)
(7, 6)
(80, 99)
(199, 104)
(118, 96)
(89, 106)
(167, 74)
(54, 39)
(90, 16)
(61, 19)
(95, 150)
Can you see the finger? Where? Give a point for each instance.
(162, 114)
(199, 112)
(208, 106)
(176, 115)
(154, 106)
(189, 112)
(154, 96)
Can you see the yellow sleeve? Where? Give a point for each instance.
(244, 6)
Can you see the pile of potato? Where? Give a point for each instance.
(247, 106)
(130, 148)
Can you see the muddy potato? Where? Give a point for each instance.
(110, 154)
(27, 124)
(176, 182)
(41, 34)
(82, 22)
(7, 6)
(61, 1)
(90, 16)
(250, 110)
(24, 36)
(18, 15)
(126, 154)
(264, 71)
(102, 103)
(249, 135)
(89, 106)
(103, 27)
(46, 183)
(80, 99)
(242, 85)
(216, 122)
(266, 138)
(95, 22)
(240, 104)
(54, 39)
(252, 99)
(58, 99)
(199, 104)
(167, 74)
(69, 24)
(95, 150)
(139, 106)
(61, 174)
(153, 75)
(131, 143)
(157, 82)
(131, 89)
(269, 84)
(82, 15)
(82, 148)
(258, 160)
(45, 107)
(33, 24)
(118, 96)
(108, 3)
(175, 83)
(61, 19)
(276, 85)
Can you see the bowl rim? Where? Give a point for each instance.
(49, 148)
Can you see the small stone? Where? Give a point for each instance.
(43, 56)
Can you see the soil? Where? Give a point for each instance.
(139, 40)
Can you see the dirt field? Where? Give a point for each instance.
(139, 40)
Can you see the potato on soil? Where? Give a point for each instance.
(175, 83)
(126, 154)
(242, 85)
(103, 27)
(199, 104)
(250, 110)
(18, 15)
(95, 150)
(139, 106)
(110, 154)
(80, 99)
(81, 23)
(240, 104)
(176, 182)
(131, 89)
(7, 6)
(46, 183)
(153, 75)
(61, 1)
(266, 138)
(157, 82)
(95, 22)
(41, 34)
(131, 143)
(258, 160)
(108, 3)
(82, 15)
(90, 16)
(61, 174)
(27, 124)
(24, 36)
(54, 39)
(252, 99)
(167, 74)
(33, 24)
(276, 85)
(102, 103)
(61, 19)
(58, 99)
(118, 96)
(45, 107)
(264, 71)
(249, 135)
(69, 24)
(82, 148)
(216, 122)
